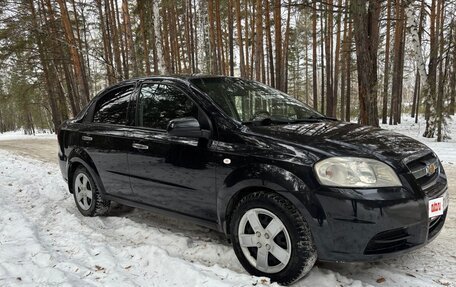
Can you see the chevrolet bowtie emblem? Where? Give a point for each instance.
(431, 169)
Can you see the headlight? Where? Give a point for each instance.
(355, 172)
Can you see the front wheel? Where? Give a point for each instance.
(86, 195)
(271, 238)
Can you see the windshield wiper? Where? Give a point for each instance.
(266, 122)
(314, 118)
(269, 121)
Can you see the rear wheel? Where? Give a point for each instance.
(86, 195)
(271, 238)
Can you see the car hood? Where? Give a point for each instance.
(336, 138)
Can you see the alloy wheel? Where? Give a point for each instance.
(83, 191)
(264, 240)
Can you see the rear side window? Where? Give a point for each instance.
(160, 103)
(113, 107)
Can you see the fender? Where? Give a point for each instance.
(265, 177)
(80, 156)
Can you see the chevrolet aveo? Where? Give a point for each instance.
(286, 185)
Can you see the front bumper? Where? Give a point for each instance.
(372, 224)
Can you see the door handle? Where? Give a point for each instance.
(140, 146)
(87, 138)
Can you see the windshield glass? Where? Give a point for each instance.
(248, 101)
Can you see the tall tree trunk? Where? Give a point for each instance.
(387, 61)
(122, 43)
(416, 91)
(167, 48)
(239, 37)
(129, 37)
(212, 37)
(397, 64)
(187, 37)
(285, 51)
(278, 44)
(345, 51)
(401, 70)
(322, 60)
(336, 62)
(175, 38)
(432, 76)
(416, 29)
(76, 21)
(442, 74)
(366, 28)
(87, 51)
(231, 36)
(189, 26)
(314, 57)
(115, 39)
(163, 68)
(143, 33)
(170, 36)
(258, 39)
(252, 40)
(195, 39)
(106, 44)
(268, 44)
(75, 55)
(220, 52)
(348, 72)
(329, 59)
(247, 39)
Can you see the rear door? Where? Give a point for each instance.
(172, 173)
(106, 139)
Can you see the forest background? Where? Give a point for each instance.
(370, 61)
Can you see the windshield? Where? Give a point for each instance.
(247, 101)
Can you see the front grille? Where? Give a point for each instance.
(425, 171)
(389, 241)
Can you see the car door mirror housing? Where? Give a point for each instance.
(187, 127)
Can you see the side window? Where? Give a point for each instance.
(113, 107)
(160, 103)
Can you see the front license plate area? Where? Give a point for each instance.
(438, 205)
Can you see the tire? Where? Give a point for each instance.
(288, 230)
(86, 195)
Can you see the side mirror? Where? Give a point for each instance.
(187, 127)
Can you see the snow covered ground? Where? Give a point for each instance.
(44, 241)
(445, 150)
(19, 135)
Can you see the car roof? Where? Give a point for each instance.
(181, 78)
(176, 78)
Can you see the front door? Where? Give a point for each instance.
(173, 173)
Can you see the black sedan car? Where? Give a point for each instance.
(287, 185)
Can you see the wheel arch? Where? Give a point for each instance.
(267, 178)
(79, 157)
